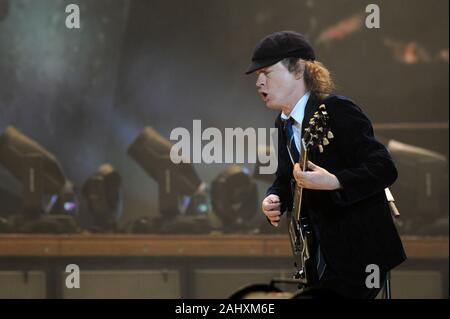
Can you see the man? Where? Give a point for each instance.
(344, 185)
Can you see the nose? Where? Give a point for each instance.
(260, 80)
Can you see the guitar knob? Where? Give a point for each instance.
(301, 274)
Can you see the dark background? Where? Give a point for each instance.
(85, 94)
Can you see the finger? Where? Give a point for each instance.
(273, 198)
(312, 166)
(275, 222)
(275, 206)
(296, 169)
(273, 213)
(301, 176)
(302, 179)
(275, 219)
(301, 184)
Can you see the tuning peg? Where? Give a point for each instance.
(325, 141)
(330, 135)
(307, 129)
(322, 107)
(320, 148)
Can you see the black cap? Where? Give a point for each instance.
(277, 46)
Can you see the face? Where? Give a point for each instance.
(277, 87)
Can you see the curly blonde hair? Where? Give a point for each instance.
(317, 77)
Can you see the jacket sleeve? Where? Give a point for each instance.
(281, 185)
(370, 167)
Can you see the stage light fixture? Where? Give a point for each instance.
(65, 202)
(421, 190)
(104, 196)
(41, 176)
(152, 152)
(234, 198)
(38, 170)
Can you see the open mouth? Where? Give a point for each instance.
(264, 95)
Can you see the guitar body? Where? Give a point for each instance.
(309, 264)
(302, 242)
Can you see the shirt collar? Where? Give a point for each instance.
(298, 111)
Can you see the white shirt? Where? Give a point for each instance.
(298, 113)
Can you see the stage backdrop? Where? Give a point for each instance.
(86, 93)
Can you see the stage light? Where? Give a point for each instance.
(11, 198)
(152, 152)
(65, 202)
(421, 190)
(104, 197)
(234, 198)
(36, 168)
(41, 176)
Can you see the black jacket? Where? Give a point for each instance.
(355, 224)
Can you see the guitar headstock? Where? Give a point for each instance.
(318, 133)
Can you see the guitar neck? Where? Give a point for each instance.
(298, 194)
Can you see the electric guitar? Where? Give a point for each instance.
(301, 234)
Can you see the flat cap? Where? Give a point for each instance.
(278, 46)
